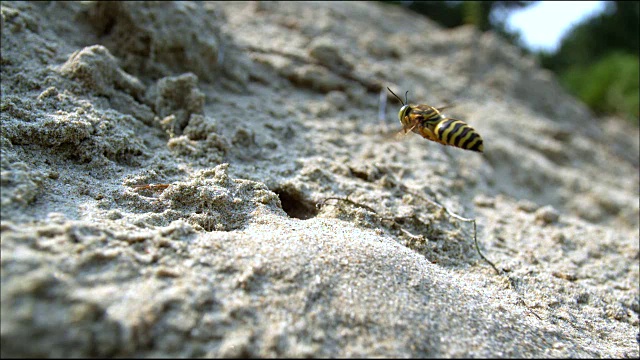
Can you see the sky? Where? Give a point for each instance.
(543, 23)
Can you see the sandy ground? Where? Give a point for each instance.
(295, 224)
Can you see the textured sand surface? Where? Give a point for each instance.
(260, 115)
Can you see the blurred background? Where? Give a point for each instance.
(592, 46)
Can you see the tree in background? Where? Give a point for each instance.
(614, 30)
(597, 60)
(609, 85)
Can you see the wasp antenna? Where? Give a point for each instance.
(397, 97)
(405, 97)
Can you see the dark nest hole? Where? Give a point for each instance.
(295, 205)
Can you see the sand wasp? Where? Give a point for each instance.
(432, 125)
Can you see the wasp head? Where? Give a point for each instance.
(404, 110)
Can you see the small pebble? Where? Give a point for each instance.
(527, 206)
(547, 215)
(114, 215)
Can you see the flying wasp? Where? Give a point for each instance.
(432, 125)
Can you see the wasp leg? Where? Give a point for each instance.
(402, 133)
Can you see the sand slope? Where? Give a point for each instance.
(260, 115)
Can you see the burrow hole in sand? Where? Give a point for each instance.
(294, 204)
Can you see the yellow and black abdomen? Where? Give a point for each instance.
(457, 133)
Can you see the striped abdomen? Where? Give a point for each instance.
(457, 133)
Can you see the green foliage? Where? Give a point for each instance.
(609, 85)
(477, 13)
(598, 60)
(616, 29)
